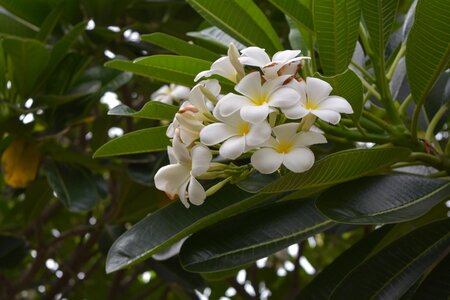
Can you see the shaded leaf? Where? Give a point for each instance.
(12, 250)
(179, 46)
(251, 236)
(153, 110)
(242, 19)
(437, 283)
(382, 199)
(389, 273)
(339, 167)
(297, 11)
(139, 141)
(336, 24)
(215, 37)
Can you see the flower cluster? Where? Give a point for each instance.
(265, 124)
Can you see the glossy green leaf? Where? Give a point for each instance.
(297, 11)
(382, 199)
(139, 141)
(27, 68)
(215, 39)
(437, 283)
(11, 27)
(428, 47)
(379, 16)
(323, 284)
(336, 23)
(251, 236)
(349, 86)
(153, 110)
(339, 167)
(167, 68)
(256, 181)
(179, 46)
(389, 273)
(173, 222)
(242, 19)
(73, 185)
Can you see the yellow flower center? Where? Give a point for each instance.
(310, 104)
(284, 147)
(243, 128)
(260, 101)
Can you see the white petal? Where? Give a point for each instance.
(285, 56)
(336, 103)
(285, 132)
(300, 87)
(299, 160)
(317, 89)
(284, 97)
(188, 136)
(180, 150)
(171, 155)
(255, 114)
(231, 103)
(308, 138)
(201, 157)
(197, 99)
(182, 192)
(203, 74)
(327, 115)
(224, 68)
(211, 85)
(272, 85)
(180, 92)
(266, 160)
(295, 112)
(250, 85)
(216, 133)
(258, 134)
(254, 56)
(233, 147)
(196, 192)
(169, 178)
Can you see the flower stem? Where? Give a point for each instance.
(394, 64)
(215, 188)
(352, 134)
(363, 71)
(431, 127)
(404, 105)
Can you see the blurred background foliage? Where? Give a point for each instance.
(60, 210)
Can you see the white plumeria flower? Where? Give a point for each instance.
(288, 148)
(199, 99)
(170, 93)
(315, 99)
(282, 63)
(178, 178)
(258, 99)
(239, 135)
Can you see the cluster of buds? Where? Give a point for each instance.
(266, 125)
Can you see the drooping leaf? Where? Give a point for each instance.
(339, 167)
(428, 47)
(336, 23)
(242, 19)
(379, 16)
(73, 185)
(179, 46)
(382, 199)
(389, 273)
(27, 68)
(166, 68)
(348, 86)
(297, 11)
(251, 236)
(173, 222)
(323, 284)
(153, 110)
(139, 141)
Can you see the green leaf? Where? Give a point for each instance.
(428, 47)
(153, 110)
(437, 283)
(379, 16)
(242, 19)
(349, 86)
(389, 273)
(215, 39)
(251, 236)
(77, 92)
(256, 181)
(296, 38)
(297, 11)
(166, 68)
(339, 167)
(139, 141)
(173, 222)
(179, 46)
(31, 11)
(336, 23)
(49, 23)
(26, 68)
(73, 185)
(11, 27)
(382, 199)
(321, 287)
